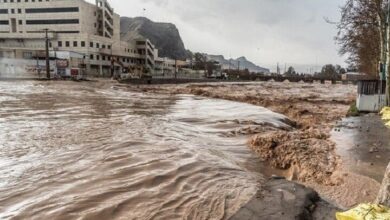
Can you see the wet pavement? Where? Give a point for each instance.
(91, 150)
(364, 145)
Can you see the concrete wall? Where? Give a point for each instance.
(370, 103)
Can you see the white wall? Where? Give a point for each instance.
(370, 103)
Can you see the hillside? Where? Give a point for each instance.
(165, 36)
(242, 62)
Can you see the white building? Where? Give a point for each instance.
(75, 25)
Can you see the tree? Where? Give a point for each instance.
(384, 193)
(361, 32)
(340, 70)
(202, 63)
(329, 72)
(290, 72)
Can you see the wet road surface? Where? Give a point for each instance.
(364, 145)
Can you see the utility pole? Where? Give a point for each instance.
(47, 53)
(175, 68)
(230, 63)
(285, 68)
(112, 62)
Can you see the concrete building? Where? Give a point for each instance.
(74, 25)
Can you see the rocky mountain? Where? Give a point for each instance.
(242, 62)
(167, 39)
(165, 36)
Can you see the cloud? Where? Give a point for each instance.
(265, 31)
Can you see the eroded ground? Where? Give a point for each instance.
(305, 153)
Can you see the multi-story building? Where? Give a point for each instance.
(74, 25)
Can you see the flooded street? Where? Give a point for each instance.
(96, 151)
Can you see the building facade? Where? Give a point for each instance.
(73, 25)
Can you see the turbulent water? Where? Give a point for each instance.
(92, 151)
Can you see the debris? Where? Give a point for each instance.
(365, 211)
(386, 115)
(374, 149)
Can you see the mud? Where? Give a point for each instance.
(306, 152)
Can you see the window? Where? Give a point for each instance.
(109, 47)
(19, 11)
(97, 57)
(90, 44)
(91, 57)
(4, 22)
(82, 43)
(13, 25)
(51, 10)
(67, 32)
(3, 11)
(67, 44)
(53, 21)
(27, 55)
(74, 43)
(97, 45)
(59, 43)
(20, 22)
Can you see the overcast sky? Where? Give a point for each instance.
(265, 31)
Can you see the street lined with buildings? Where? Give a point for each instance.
(89, 33)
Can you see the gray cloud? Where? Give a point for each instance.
(265, 31)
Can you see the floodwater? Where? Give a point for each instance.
(97, 151)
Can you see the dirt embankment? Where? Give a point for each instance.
(306, 150)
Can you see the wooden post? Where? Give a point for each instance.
(384, 193)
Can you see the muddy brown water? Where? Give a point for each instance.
(95, 151)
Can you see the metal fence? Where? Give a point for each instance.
(371, 87)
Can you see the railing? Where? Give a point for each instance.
(371, 87)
